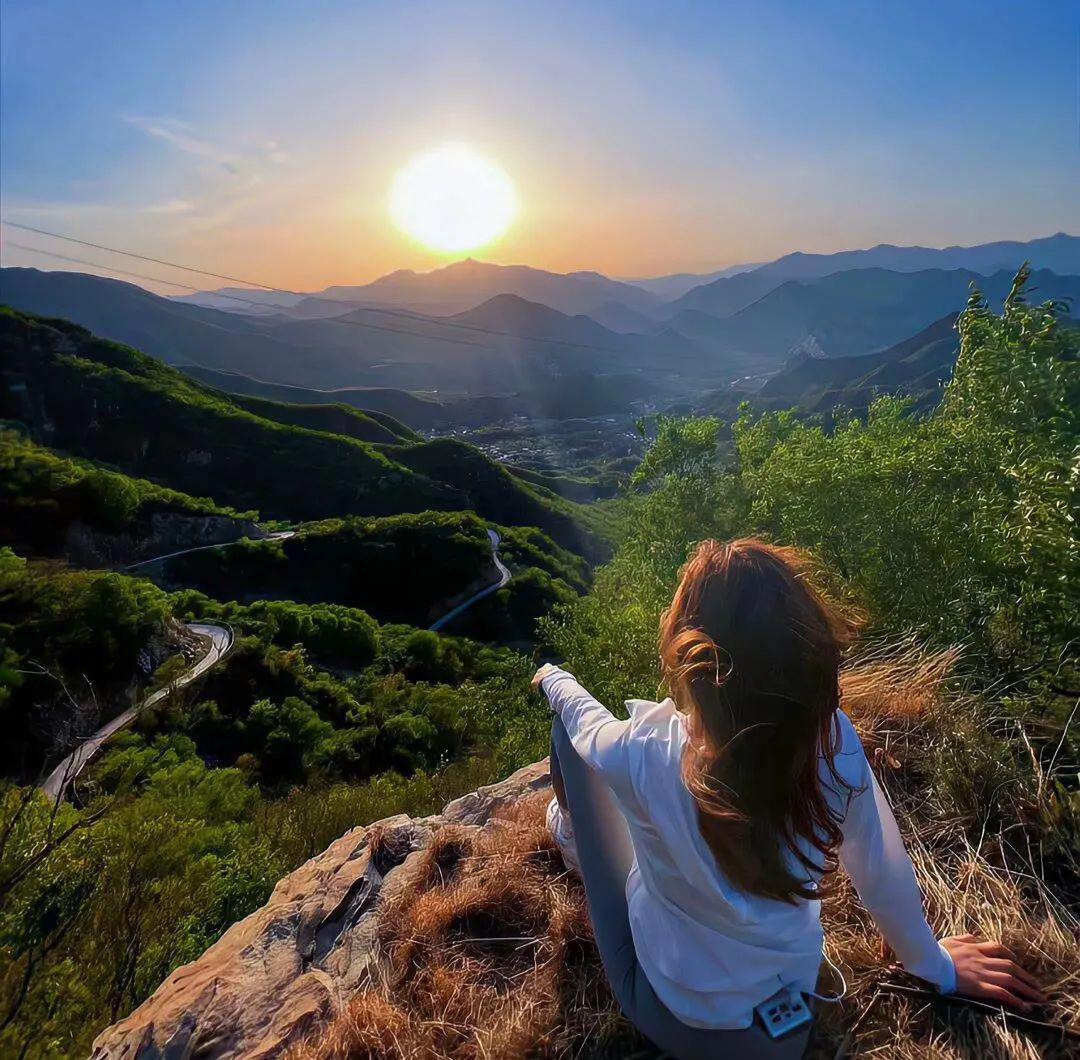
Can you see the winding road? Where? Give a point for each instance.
(280, 535)
(57, 782)
(221, 640)
(504, 577)
(220, 637)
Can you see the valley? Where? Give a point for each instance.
(268, 574)
(550, 373)
(361, 364)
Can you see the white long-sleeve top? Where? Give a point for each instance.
(711, 951)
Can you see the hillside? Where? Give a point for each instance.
(415, 412)
(851, 313)
(110, 403)
(268, 827)
(519, 316)
(724, 296)
(363, 347)
(915, 367)
(405, 568)
(254, 299)
(365, 425)
(52, 505)
(172, 331)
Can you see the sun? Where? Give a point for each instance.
(452, 199)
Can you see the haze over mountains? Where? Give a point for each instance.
(678, 283)
(1058, 253)
(473, 330)
(465, 284)
(453, 289)
(915, 368)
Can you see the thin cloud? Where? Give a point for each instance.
(170, 206)
(246, 161)
(80, 207)
(56, 208)
(180, 136)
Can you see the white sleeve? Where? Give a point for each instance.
(599, 738)
(873, 853)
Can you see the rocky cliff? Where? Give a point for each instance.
(277, 976)
(158, 533)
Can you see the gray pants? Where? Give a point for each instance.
(606, 854)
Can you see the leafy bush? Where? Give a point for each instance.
(960, 524)
(71, 643)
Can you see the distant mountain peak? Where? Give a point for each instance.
(468, 283)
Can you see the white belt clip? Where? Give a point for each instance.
(784, 1012)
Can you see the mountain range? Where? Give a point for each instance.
(453, 289)
(629, 304)
(1057, 253)
(499, 347)
(112, 404)
(916, 368)
(848, 313)
(473, 330)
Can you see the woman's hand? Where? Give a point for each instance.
(540, 675)
(989, 971)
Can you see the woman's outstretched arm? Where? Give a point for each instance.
(599, 738)
(874, 855)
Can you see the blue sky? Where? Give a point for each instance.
(260, 138)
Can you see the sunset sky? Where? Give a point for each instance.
(261, 139)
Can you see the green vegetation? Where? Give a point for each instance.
(99, 905)
(108, 402)
(310, 693)
(46, 497)
(189, 818)
(955, 527)
(70, 644)
(958, 525)
(333, 419)
(319, 694)
(405, 568)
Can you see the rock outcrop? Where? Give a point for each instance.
(158, 533)
(291, 966)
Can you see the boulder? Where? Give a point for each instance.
(290, 966)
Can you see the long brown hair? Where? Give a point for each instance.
(751, 652)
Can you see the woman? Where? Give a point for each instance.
(704, 824)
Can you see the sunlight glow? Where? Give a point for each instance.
(452, 199)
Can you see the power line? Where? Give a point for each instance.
(433, 321)
(247, 301)
(141, 257)
(98, 265)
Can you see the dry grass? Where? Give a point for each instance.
(489, 953)
(488, 950)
